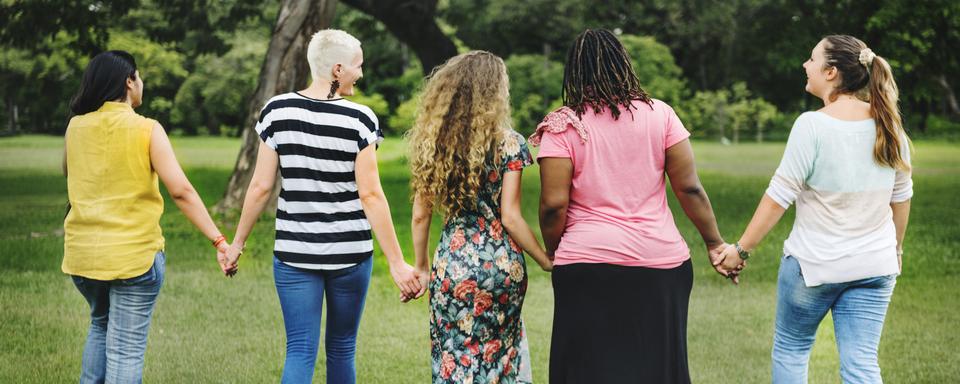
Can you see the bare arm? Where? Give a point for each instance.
(164, 161)
(556, 174)
(420, 226)
(901, 215)
(768, 214)
(258, 192)
(514, 223)
(682, 171)
(377, 210)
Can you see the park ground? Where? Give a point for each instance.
(210, 329)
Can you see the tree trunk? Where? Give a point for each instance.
(284, 69)
(953, 107)
(412, 22)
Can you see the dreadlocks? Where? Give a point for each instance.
(598, 74)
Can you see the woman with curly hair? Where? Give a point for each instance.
(467, 162)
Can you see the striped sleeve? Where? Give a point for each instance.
(368, 129)
(797, 163)
(264, 126)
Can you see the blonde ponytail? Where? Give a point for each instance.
(885, 111)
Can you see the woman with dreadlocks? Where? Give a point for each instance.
(466, 162)
(622, 275)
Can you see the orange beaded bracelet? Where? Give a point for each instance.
(219, 240)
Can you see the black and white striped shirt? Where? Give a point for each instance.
(320, 222)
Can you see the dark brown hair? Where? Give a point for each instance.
(105, 79)
(843, 52)
(598, 74)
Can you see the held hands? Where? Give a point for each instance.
(412, 282)
(231, 257)
(726, 260)
(423, 276)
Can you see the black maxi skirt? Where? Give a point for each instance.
(617, 324)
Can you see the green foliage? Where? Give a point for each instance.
(731, 112)
(85, 25)
(535, 82)
(39, 84)
(377, 103)
(508, 27)
(160, 66)
(214, 97)
(199, 66)
(389, 68)
(405, 115)
(659, 74)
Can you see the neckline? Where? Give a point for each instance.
(844, 121)
(310, 98)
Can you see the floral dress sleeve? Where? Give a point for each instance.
(515, 153)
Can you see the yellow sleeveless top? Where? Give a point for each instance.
(113, 228)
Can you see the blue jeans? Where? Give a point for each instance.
(120, 312)
(858, 308)
(301, 294)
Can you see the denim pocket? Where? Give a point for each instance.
(794, 263)
(153, 275)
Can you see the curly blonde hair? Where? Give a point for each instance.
(463, 116)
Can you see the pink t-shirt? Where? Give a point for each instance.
(618, 211)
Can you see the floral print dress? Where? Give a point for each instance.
(477, 286)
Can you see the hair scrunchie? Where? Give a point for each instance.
(866, 57)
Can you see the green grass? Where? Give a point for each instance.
(211, 329)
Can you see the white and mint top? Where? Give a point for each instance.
(844, 227)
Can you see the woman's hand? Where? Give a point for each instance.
(729, 263)
(232, 257)
(406, 278)
(222, 256)
(546, 264)
(423, 276)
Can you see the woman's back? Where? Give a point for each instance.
(113, 228)
(618, 207)
(844, 228)
(320, 220)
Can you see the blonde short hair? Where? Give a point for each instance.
(330, 47)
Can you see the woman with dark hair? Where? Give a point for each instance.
(113, 245)
(622, 272)
(847, 168)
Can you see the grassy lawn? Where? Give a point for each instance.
(209, 329)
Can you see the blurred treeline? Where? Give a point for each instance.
(731, 69)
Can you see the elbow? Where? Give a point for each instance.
(553, 207)
(421, 220)
(548, 213)
(182, 192)
(511, 221)
(693, 190)
(259, 191)
(371, 197)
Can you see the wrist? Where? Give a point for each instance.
(396, 262)
(747, 245)
(218, 240)
(742, 252)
